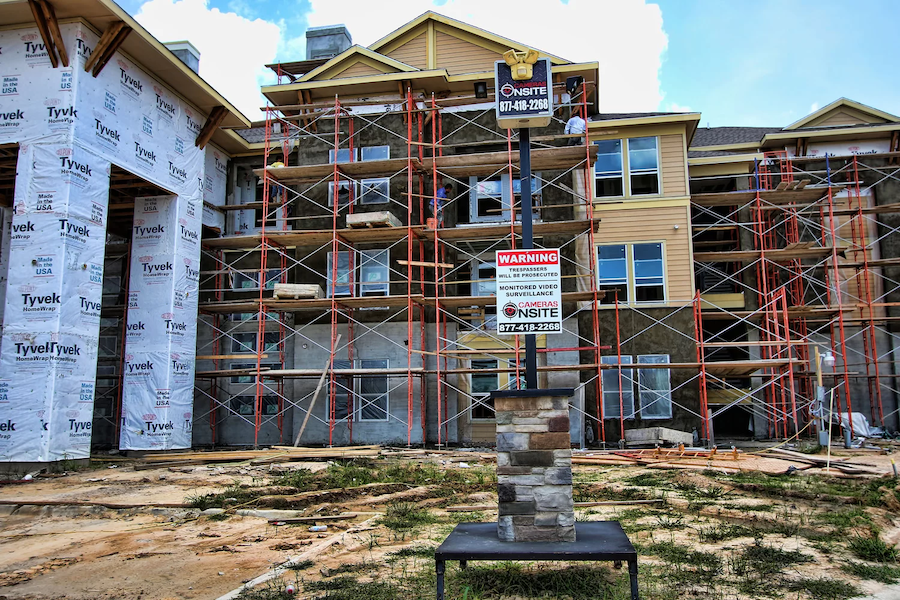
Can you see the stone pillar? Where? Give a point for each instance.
(534, 466)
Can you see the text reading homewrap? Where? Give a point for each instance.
(529, 294)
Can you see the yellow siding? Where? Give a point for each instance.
(359, 70)
(671, 150)
(655, 224)
(414, 52)
(459, 56)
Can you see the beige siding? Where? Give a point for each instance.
(840, 118)
(359, 70)
(459, 56)
(414, 52)
(655, 224)
(671, 149)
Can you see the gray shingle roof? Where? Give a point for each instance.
(636, 115)
(720, 136)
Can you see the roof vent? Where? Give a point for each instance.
(327, 42)
(187, 53)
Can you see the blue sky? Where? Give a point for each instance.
(765, 63)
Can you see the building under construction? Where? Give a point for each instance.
(729, 280)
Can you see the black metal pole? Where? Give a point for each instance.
(527, 244)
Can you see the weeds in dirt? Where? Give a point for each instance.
(514, 580)
(844, 519)
(405, 516)
(426, 552)
(823, 588)
(723, 531)
(766, 560)
(873, 549)
(879, 573)
(301, 566)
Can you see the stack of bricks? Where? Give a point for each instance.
(534, 467)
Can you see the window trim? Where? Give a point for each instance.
(643, 389)
(356, 284)
(505, 381)
(354, 192)
(381, 198)
(355, 394)
(639, 391)
(505, 201)
(627, 173)
(631, 285)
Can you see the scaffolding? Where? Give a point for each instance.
(420, 288)
(798, 244)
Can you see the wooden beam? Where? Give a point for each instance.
(213, 121)
(109, 42)
(44, 29)
(53, 23)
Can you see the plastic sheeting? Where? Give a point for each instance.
(71, 127)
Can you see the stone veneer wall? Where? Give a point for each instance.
(534, 467)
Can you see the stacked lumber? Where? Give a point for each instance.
(274, 454)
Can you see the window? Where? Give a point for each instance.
(374, 273)
(373, 268)
(246, 342)
(107, 346)
(634, 270)
(489, 199)
(348, 192)
(343, 282)
(365, 396)
(343, 155)
(246, 405)
(643, 166)
(653, 385)
(655, 388)
(648, 273)
(112, 285)
(611, 388)
(608, 169)
(484, 283)
(482, 385)
(373, 390)
(612, 272)
(375, 153)
(376, 191)
(249, 280)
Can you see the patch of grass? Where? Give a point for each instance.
(666, 522)
(873, 549)
(722, 532)
(404, 516)
(466, 517)
(661, 479)
(706, 562)
(353, 568)
(426, 552)
(222, 516)
(844, 519)
(349, 588)
(301, 479)
(879, 573)
(301, 566)
(513, 580)
(823, 588)
(766, 560)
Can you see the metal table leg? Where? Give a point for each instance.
(439, 570)
(463, 564)
(632, 574)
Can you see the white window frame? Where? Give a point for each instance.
(366, 151)
(353, 188)
(611, 387)
(350, 270)
(505, 202)
(650, 396)
(643, 172)
(351, 157)
(360, 400)
(620, 174)
(632, 285)
(374, 262)
(381, 196)
(504, 381)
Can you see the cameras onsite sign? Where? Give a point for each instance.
(523, 103)
(529, 294)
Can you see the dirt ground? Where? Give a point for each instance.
(52, 545)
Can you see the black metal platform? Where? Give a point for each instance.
(594, 540)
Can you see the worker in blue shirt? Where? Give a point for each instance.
(438, 202)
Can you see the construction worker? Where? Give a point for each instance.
(576, 125)
(438, 202)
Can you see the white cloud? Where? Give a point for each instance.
(625, 36)
(675, 107)
(233, 49)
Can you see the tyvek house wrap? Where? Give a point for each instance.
(70, 127)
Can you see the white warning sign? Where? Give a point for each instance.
(529, 293)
